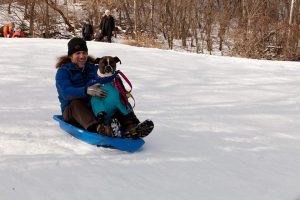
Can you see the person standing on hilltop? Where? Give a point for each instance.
(107, 26)
(87, 31)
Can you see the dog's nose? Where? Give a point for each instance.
(108, 69)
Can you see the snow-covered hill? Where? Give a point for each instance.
(226, 128)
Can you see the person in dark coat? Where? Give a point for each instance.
(87, 31)
(107, 26)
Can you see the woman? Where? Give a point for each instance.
(7, 30)
(74, 71)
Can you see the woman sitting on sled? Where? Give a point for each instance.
(74, 72)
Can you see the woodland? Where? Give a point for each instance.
(261, 29)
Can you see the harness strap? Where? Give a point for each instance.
(126, 94)
(130, 95)
(126, 79)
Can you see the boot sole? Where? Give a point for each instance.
(144, 128)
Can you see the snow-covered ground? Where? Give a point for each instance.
(225, 128)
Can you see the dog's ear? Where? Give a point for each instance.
(97, 60)
(116, 59)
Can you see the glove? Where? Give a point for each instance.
(94, 90)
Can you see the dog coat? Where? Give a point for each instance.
(109, 104)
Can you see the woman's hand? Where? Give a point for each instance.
(94, 90)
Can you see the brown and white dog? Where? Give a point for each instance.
(107, 65)
(130, 124)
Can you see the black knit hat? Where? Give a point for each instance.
(76, 44)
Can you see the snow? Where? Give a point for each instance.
(225, 128)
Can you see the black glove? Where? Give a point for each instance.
(94, 90)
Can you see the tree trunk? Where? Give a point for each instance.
(152, 17)
(26, 15)
(31, 19)
(129, 22)
(9, 7)
(54, 7)
(135, 18)
(291, 12)
(47, 35)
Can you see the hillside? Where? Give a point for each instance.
(225, 128)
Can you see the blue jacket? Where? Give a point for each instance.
(71, 82)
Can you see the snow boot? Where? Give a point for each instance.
(133, 128)
(141, 130)
(116, 127)
(102, 128)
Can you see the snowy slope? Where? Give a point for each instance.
(226, 128)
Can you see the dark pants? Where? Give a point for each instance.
(78, 112)
(87, 38)
(102, 36)
(128, 121)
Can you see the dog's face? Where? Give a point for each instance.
(107, 65)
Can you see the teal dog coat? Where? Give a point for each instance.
(109, 104)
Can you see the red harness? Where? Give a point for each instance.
(125, 94)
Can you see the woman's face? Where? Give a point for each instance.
(79, 58)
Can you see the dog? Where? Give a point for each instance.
(109, 105)
(107, 65)
(105, 108)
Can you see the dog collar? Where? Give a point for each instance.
(106, 79)
(103, 75)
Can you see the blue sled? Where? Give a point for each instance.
(122, 144)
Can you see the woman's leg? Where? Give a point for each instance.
(79, 112)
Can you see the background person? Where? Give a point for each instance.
(18, 33)
(107, 26)
(87, 31)
(7, 30)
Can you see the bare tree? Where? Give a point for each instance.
(66, 20)
(249, 28)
